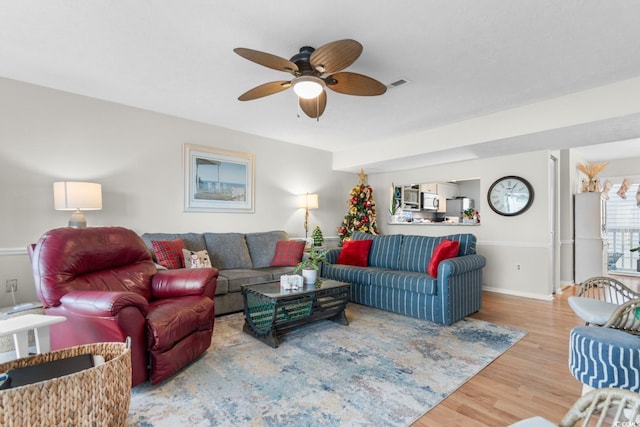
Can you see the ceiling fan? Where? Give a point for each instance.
(309, 68)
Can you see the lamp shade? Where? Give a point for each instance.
(308, 201)
(71, 196)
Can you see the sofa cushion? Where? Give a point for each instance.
(288, 253)
(355, 252)
(445, 250)
(416, 251)
(168, 252)
(238, 277)
(384, 251)
(227, 250)
(222, 286)
(348, 273)
(192, 241)
(276, 272)
(413, 282)
(262, 246)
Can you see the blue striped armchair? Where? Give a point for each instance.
(396, 277)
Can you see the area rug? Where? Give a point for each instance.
(383, 369)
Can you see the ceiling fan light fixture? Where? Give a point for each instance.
(307, 87)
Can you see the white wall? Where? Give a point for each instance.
(507, 242)
(47, 136)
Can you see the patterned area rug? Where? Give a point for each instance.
(382, 370)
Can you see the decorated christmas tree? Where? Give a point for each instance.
(361, 215)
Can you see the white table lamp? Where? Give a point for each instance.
(78, 197)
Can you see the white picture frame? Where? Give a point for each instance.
(217, 180)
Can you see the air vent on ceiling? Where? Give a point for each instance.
(398, 82)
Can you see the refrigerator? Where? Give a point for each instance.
(456, 206)
(590, 236)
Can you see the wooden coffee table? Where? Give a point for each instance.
(270, 312)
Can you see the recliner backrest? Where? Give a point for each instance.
(96, 258)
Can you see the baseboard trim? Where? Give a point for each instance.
(518, 294)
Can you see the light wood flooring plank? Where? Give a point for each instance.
(531, 378)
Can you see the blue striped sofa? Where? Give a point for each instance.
(396, 279)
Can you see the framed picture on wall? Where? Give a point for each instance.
(217, 180)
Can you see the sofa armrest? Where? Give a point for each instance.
(183, 282)
(102, 303)
(332, 255)
(461, 264)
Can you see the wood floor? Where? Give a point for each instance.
(531, 378)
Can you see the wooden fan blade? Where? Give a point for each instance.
(314, 107)
(264, 90)
(267, 59)
(335, 56)
(355, 84)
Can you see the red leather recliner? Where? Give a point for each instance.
(103, 280)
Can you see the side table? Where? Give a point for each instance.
(35, 307)
(20, 325)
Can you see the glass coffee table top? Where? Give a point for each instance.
(272, 289)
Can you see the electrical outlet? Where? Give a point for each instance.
(518, 267)
(12, 285)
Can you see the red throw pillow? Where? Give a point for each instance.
(169, 252)
(288, 253)
(355, 252)
(445, 250)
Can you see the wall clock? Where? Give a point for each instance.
(510, 195)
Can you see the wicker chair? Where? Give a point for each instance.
(606, 406)
(607, 302)
(606, 289)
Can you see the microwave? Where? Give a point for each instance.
(430, 202)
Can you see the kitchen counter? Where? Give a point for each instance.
(436, 223)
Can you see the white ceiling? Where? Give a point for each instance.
(463, 59)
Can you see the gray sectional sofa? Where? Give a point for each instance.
(396, 279)
(240, 258)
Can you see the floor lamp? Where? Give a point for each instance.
(307, 201)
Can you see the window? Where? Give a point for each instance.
(623, 228)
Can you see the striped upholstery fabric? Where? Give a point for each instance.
(467, 243)
(416, 252)
(347, 273)
(385, 249)
(604, 357)
(454, 266)
(411, 304)
(456, 293)
(407, 281)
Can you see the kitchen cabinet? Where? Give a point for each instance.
(431, 188)
(407, 197)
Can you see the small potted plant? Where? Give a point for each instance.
(310, 265)
(469, 216)
(393, 211)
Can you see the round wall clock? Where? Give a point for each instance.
(510, 195)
